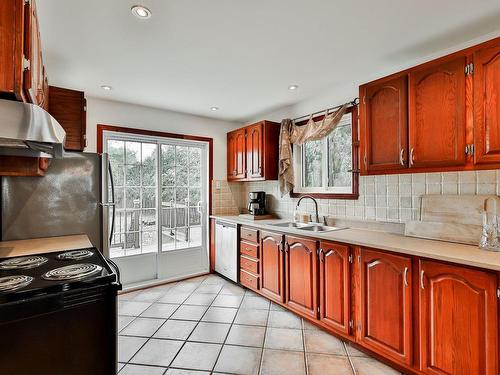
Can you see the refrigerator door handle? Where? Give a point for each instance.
(112, 203)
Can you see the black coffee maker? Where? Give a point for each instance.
(257, 204)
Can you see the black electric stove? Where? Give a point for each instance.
(59, 310)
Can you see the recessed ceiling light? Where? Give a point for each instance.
(293, 87)
(141, 12)
(214, 108)
(106, 87)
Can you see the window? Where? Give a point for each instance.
(325, 167)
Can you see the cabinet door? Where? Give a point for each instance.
(384, 137)
(487, 104)
(254, 151)
(301, 262)
(385, 305)
(458, 320)
(68, 108)
(34, 75)
(437, 115)
(335, 286)
(272, 266)
(236, 155)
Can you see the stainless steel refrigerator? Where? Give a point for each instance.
(74, 197)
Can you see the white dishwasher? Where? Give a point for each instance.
(226, 250)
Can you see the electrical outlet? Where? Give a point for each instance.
(217, 185)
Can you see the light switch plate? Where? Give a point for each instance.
(217, 185)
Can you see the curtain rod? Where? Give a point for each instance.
(349, 104)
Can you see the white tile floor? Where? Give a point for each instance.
(207, 325)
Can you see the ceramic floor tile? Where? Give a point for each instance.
(246, 335)
(178, 371)
(322, 342)
(123, 321)
(321, 364)
(258, 303)
(209, 288)
(252, 317)
(353, 352)
(276, 307)
(232, 290)
(370, 366)
(219, 315)
(284, 339)
(284, 319)
(174, 297)
(239, 360)
(215, 280)
(160, 310)
(197, 356)
(278, 362)
(128, 296)
(133, 308)
(203, 299)
(128, 346)
(142, 370)
(149, 295)
(185, 287)
(224, 300)
(189, 312)
(309, 326)
(157, 352)
(143, 327)
(210, 332)
(175, 329)
(120, 366)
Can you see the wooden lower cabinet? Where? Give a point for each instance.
(458, 320)
(384, 305)
(335, 286)
(272, 275)
(301, 270)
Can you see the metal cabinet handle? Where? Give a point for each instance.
(405, 276)
(412, 156)
(402, 157)
(422, 274)
(321, 255)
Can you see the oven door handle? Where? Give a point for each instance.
(117, 271)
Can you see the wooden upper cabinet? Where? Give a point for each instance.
(69, 108)
(272, 266)
(385, 305)
(301, 262)
(384, 125)
(335, 286)
(254, 149)
(34, 76)
(252, 152)
(487, 104)
(437, 117)
(458, 320)
(236, 157)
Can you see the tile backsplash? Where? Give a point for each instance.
(392, 198)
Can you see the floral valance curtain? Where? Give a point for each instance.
(292, 134)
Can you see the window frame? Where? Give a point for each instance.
(329, 192)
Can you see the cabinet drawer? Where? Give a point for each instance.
(249, 280)
(250, 235)
(250, 250)
(248, 264)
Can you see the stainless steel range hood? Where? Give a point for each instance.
(28, 130)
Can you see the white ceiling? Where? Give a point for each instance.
(242, 55)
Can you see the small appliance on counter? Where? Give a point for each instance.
(257, 203)
(58, 311)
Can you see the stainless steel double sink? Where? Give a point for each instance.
(307, 227)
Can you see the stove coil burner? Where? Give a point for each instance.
(73, 272)
(75, 255)
(22, 263)
(9, 283)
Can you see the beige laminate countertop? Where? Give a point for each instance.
(432, 249)
(9, 249)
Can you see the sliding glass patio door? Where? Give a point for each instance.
(161, 194)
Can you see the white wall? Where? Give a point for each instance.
(107, 112)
